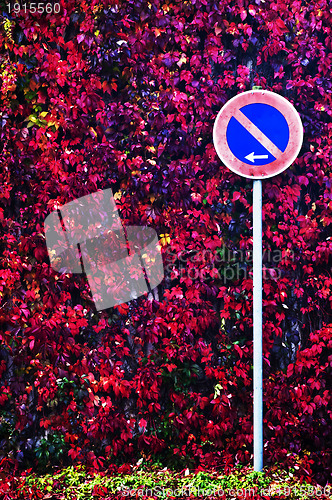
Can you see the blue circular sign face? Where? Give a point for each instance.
(243, 143)
(258, 134)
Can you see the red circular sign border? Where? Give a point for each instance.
(259, 171)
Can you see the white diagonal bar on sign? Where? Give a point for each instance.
(257, 134)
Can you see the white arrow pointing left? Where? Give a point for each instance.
(252, 157)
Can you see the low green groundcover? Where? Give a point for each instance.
(77, 483)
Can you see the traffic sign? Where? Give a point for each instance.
(258, 134)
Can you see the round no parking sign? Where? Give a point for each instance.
(258, 134)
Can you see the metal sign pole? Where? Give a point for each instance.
(258, 323)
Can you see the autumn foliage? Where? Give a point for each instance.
(123, 95)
